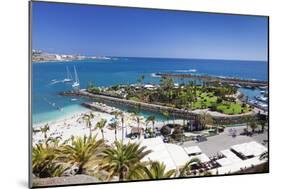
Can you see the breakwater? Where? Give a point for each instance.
(179, 113)
(233, 81)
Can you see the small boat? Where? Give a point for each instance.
(248, 87)
(54, 81)
(262, 98)
(263, 105)
(238, 86)
(76, 83)
(74, 99)
(68, 76)
(263, 87)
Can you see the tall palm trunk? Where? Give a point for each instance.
(102, 134)
(122, 121)
(121, 175)
(90, 130)
(115, 133)
(138, 121)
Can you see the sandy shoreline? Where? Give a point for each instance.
(74, 125)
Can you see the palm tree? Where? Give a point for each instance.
(262, 123)
(100, 125)
(88, 119)
(45, 163)
(114, 125)
(152, 120)
(122, 122)
(185, 171)
(166, 115)
(248, 120)
(121, 158)
(137, 118)
(44, 131)
(140, 79)
(205, 119)
(34, 131)
(154, 170)
(120, 114)
(253, 126)
(54, 141)
(82, 152)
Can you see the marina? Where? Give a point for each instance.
(227, 80)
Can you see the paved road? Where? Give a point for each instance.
(224, 141)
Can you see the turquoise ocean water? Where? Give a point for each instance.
(47, 105)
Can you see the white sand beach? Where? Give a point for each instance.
(75, 126)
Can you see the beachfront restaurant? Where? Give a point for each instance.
(249, 150)
(172, 155)
(240, 157)
(236, 158)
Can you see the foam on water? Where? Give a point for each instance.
(186, 71)
(69, 110)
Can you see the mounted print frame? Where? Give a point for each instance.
(125, 94)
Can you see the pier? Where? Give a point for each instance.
(230, 81)
(176, 112)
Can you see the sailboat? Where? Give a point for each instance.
(68, 76)
(76, 83)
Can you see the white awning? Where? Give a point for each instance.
(178, 154)
(192, 150)
(250, 149)
(224, 161)
(159, 152)
(232, 168)
(231, 156)
(202, 157)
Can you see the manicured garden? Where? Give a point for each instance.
(204, 100)
(209, 100)
(219, 98)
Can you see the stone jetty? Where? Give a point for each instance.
(176, 112)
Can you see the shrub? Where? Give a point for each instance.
(219, 100)
(213, 107)
(177, 133)
(165, 130)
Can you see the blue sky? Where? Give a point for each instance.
(111, 31)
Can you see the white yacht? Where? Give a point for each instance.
(76, 83)
(68, 76)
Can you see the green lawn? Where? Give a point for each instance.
(232, 108)
(134, 98)
(205, 100)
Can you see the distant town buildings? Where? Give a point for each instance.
(41, 56)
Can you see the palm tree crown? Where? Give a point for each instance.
(154, 170)
(119, 159)
(88, 119)
(100, 125)
(82, 152)
(185, 171)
